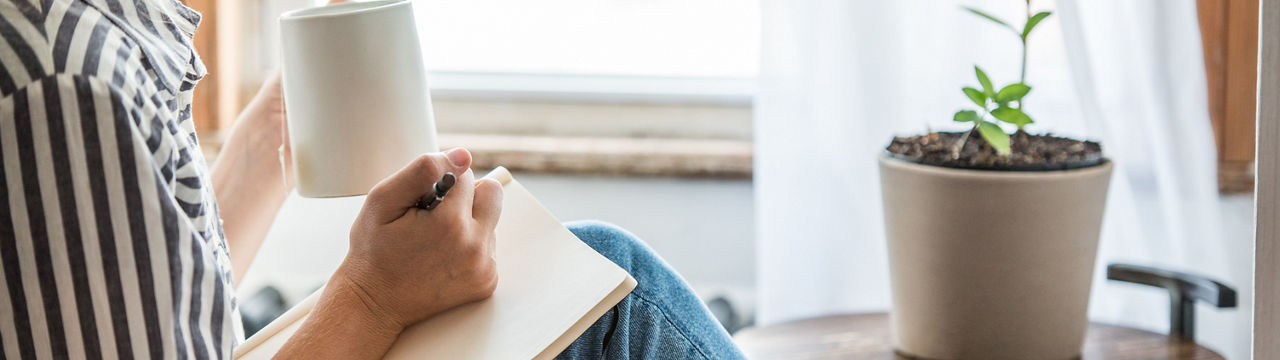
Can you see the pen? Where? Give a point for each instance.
(438, 191)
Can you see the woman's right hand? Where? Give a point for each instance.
(406, 264)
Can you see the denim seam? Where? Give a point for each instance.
(679, 330)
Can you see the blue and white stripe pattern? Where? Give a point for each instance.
(110, 243)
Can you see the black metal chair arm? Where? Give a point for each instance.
(1184, 290)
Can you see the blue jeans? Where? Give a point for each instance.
(661, 319)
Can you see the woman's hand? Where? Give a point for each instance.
(411, 263)
(406, 264)
(247, 177)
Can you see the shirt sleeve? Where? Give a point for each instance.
(96, 256)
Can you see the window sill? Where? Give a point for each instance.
(666, 157)
(608, 156)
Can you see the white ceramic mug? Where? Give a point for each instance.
(356, 95)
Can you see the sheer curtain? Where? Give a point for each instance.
(839, 78)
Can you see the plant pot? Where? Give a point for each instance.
(991, 264)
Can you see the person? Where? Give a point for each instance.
(117, 241)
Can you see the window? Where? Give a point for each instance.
(543, 82)
(658, 38)
(534, 73)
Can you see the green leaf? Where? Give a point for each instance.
(994, 136)
(992, 18)
(1012, 92)
(1032, 22)
(985, 81)
(1012, 116)
(966, 116)
(977, 96)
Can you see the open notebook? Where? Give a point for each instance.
(551, 288)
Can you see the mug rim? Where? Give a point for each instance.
(340, 9)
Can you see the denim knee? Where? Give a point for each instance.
(599, 232)
(615, 243)
(662, 313)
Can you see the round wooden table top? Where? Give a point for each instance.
(866, 336)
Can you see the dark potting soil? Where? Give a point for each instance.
(1029, 152)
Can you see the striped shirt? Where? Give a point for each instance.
(110, 240)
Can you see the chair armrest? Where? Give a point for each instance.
(1196, 287)
(1184, 290)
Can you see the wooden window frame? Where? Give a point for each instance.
(217, 101)
(1229, 33)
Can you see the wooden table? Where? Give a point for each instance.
(866, 336)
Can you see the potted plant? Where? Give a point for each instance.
(992, 236)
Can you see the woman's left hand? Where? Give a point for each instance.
(248, 178)
(266, 122)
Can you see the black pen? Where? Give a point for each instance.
(438, 191)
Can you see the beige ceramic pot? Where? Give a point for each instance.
(991, 264)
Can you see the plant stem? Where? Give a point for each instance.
(955, 152)
(1022, 77)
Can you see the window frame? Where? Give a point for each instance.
(1229, 34)
(1266, 280)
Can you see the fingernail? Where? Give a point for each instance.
(458, 156)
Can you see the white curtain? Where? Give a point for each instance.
(839, 78)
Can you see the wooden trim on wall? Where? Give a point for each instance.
(1266, 276)
(1213, 37)
(1238, 148)
(1229, 33)
(217, 97)
(204, 107)
(216, 102)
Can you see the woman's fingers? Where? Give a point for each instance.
(401, 190)
(458, 201)
(488, 203)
